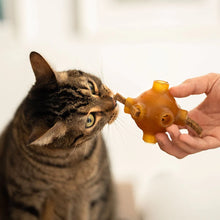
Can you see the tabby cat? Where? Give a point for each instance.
(53, 160)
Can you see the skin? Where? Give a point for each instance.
(206, 114)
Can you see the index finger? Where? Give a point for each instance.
(197, 85)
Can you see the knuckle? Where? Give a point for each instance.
(187, 81)
(180, 156)
(160, 144)
(212, 75)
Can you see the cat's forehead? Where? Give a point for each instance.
(76, 77)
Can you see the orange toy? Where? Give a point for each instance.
(156, 109)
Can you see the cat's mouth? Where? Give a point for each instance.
(114, 114)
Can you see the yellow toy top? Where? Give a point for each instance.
(156, 109)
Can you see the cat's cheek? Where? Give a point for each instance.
(114, 115)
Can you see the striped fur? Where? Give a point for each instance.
(52, 165)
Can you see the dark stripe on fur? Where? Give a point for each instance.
(77, 138)
(57, 214)
(103, 198)
(49, 103)
(70, 99)
(67, 113)
(77, 90)
(46, 162)
(30, 209)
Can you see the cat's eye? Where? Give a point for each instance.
(92, 87)
(90, 120)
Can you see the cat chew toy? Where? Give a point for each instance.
(156, 109)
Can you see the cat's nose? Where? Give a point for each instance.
(110, 103)
(114, 102)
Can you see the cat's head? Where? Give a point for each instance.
(71, 104)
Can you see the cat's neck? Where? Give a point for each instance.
(20, 126)
(61, 155)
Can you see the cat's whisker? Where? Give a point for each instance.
(121, 125)
(116, 134)
(101, 70)
(118, 124)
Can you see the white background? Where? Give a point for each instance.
(128, 44)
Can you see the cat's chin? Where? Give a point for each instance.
(114, 115)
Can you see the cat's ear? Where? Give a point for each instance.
(42, 70)
(45, 137)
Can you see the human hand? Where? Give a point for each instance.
(207, 115)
